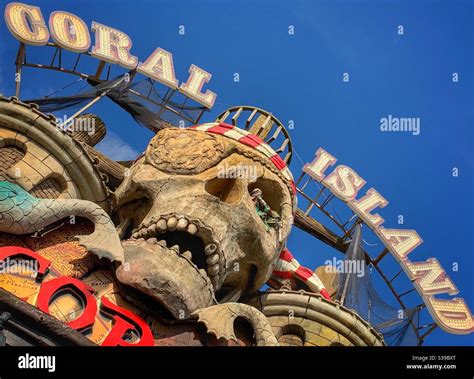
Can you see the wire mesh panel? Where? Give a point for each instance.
(357, 291)
(367, 268)
(150, 107)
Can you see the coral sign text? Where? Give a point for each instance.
(68, 31)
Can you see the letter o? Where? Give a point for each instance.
(52, 287)
(60, 26)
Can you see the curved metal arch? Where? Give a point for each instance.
(263, 124)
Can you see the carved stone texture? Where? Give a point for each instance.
(11, 155)
(179, 151)
(302, 318)
(40, 157)
(49, 188)
(220, 320)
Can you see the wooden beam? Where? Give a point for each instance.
(104, 164)
(316, 229)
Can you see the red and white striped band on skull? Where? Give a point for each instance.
(287, 267)
(251, 140)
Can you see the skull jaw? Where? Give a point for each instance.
(166, 277)
(247, 247)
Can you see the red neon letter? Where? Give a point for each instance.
(49, 289)
(124, 321)
(14, 251)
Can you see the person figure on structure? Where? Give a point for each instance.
(270, 217)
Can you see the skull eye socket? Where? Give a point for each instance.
(270, 193)
(226, 189)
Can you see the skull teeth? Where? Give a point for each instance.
(172, 222)
(150, 233)
(182, 224)
(212, 259)
(162, 226)
(175, 248)
(216, 280)
(188, 255)
(210, 249)
(152, 229)
(192, 229)
(162, 243)
(213, 270)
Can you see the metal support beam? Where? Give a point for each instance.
(37, 324)
(19, 67)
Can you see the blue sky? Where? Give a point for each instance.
(300, 77)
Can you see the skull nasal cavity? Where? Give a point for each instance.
(226, 189)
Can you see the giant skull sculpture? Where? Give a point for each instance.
(194, 237)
